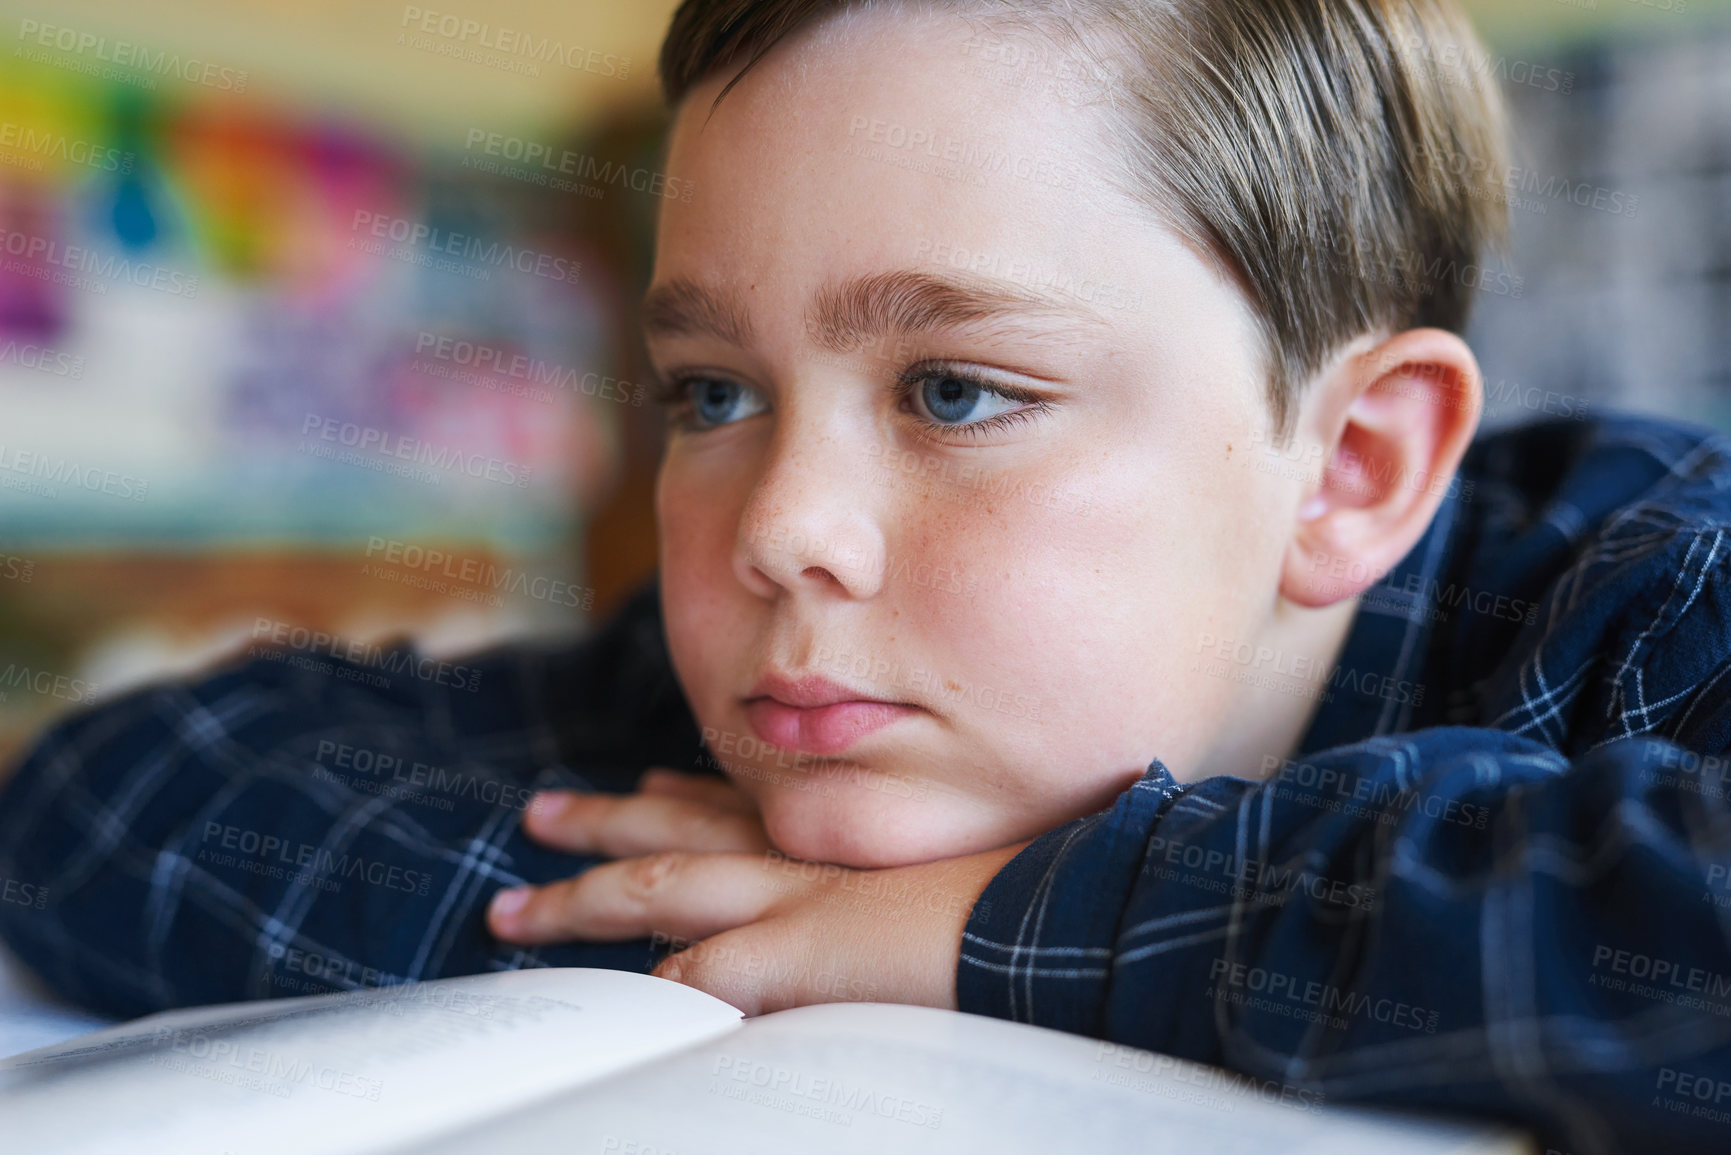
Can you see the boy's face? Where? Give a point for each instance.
(1036, 590)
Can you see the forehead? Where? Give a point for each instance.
(885, 139)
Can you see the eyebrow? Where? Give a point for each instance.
(860, 310)
(682, 307)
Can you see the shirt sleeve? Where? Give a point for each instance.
(321, 816)
(1452, 918)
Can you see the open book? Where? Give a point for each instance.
(611, 1061)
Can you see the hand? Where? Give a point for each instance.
(670, 811)
(775, 932)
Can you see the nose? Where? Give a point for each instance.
(808, 525)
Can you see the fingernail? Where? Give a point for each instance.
(508, 902)
(551, 803)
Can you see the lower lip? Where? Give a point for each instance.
(820, 729)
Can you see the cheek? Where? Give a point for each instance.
(1041, 659)
(696, 523)
(700, 601)
(1093, 618)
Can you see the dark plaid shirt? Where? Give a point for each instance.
(1493, 878)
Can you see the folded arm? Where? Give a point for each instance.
(1453, 918)
(306, 821)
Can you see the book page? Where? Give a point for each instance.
(30, 1016)
(344, 1074)
(872, 1078)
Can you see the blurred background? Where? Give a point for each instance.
(319, 312)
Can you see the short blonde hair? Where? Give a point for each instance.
(1317, 151)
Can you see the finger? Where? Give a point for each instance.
(671, 893)
(626, 825)
(757, 968)
(708, 788)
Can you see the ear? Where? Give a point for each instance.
(1393, 422)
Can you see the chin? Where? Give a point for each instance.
(865, 829)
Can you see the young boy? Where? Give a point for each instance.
(1053, 388)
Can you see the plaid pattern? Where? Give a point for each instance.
(323, 818)
(1490, 880)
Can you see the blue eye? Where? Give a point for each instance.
(957, 401)
(709, 401)
(949, 398)
(713, 401)
(961, 403)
